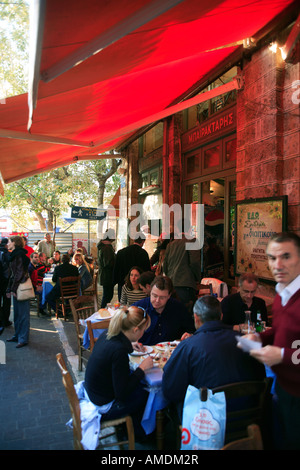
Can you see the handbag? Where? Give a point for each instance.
(25, 290)
(203, 422)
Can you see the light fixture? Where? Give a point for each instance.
(273, 47)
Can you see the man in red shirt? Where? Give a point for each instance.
(279, 343)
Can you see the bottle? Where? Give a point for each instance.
(258, 324)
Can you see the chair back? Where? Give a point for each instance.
(99, 325)
(69, 287)
(252, 442)
(247, 403)
(93, 288)
(218, 286)
(204, 289)
(73, 402)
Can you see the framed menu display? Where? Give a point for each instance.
(256, 220)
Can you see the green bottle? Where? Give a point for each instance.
(258, 324)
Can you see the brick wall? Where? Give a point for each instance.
(268, 132)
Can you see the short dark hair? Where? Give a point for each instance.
(146, 278)
(163, 283)
(249, 277)
(65, 258)
(207, 308)
(286, 237)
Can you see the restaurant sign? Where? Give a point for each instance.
(256, 220)
(221, 124)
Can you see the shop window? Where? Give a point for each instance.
(229, 152)
(193, 164)
(211, 158)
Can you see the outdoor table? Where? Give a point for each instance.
(97, 332)
(153, 416)
(46, 288)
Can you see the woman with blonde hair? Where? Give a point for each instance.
(108, 377)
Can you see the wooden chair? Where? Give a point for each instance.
(93, 288)
(252, 442)
(99, 325)
(204, 289)
(69, 289)
(242, 414)
(82, 308)
(75, 413)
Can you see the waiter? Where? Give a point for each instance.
(280, 342)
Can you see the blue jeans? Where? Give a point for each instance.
(21, 320)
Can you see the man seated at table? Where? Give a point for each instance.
(62, 270)
(234, 306)
(208, 358)
(169, 317)
(145, 280)
(55, 260)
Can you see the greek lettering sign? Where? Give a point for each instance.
(223, 123)
(256, 220)
(89, 213)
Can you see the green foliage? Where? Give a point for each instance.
(14, 31)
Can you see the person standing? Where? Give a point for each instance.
(18, 273)
(280, 342)
(106, 263)
(46, 246)
(132, 255)
(4, 276)
(183, 265)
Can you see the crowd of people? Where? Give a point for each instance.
(159, 302)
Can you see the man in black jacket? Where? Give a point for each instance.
(62, 270)
(4, 276)
(132, 255)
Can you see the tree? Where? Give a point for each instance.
(14, 32)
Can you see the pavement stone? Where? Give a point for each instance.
(34, 407)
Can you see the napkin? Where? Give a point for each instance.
(247, 344)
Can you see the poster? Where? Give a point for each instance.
(256, 221)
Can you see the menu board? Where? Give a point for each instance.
(256, 220)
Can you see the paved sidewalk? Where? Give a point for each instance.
(33, 405)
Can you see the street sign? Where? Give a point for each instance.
(89, 213)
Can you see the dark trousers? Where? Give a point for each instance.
(5, 303)
(108, 293)
(134, 406)
(288, 412)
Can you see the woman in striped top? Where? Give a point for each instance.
(131, 291)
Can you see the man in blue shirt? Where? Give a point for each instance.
(169, 317)
(209, 358)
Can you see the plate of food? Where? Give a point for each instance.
(102, 314)
(146, 350)
(171, 344)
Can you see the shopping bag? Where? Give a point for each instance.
(25, 290)
(203, 422)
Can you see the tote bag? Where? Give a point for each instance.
(25, 290)
(203, 422)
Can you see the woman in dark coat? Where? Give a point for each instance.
(18, 273)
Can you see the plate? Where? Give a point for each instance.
(148, 350)
(163, 345)
(98, 318)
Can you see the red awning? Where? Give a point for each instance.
(94, 106)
